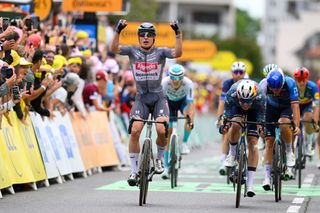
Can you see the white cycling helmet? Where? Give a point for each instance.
(246, 90)
(238, 65)
(176, 72)
(268, 68)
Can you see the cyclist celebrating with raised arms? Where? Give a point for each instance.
(179, 92)
(244, 99)
(309, 104)
(147, 63)
(282, 106)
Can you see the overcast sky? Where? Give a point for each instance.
(254, 7)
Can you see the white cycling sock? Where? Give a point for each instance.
(160, 152)
(267, 171)
(134, 158)
(250, 178)
(233, 150)
(288, 148)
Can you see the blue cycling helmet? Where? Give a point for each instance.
(275, 78)
(176, 72)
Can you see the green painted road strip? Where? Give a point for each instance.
(206, 187)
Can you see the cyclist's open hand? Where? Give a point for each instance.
(122, 23)
(296, 131)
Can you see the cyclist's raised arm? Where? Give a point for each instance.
(115, 42)
(177, 51)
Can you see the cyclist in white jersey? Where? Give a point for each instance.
(179, 92)
(147, 63)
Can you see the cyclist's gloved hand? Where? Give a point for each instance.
(296, 131)
(175, 26)
(121, 25)
(223, 129)
(260, 131)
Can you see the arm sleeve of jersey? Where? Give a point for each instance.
(224, 91)
(315, 95)
(228, 103)
(166, 52)
(261, 107)
(263, 87)
(125, 50)
(293, 90)
(190, 89)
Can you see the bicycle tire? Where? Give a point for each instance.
(276, 170)
(144, 172)
(282, 167)
(299, 161)
(239, 177)
(173, 160)
(228, 174)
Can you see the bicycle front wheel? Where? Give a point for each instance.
(144, 172)
(299, 160)
(173, 160)
(276, 170)
(239, 177)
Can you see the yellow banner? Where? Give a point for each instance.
(92, 5)
(14, 153)
(4, 171)
(42, 8)
(197, 49)
(31, 149)
(165, 35)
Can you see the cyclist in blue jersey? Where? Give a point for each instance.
(147, 63)
(309, 104)
(244, 98)
(179, 92)
(282, 106)
(238, 69)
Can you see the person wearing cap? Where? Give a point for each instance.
(147, 63)
(93, 92)
(74, 66)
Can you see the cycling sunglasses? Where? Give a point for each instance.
(238, 72)
(246, 101)
(146, 34)
(176, 78)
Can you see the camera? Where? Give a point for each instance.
(16, 93)
(6, 72)
(5, 23)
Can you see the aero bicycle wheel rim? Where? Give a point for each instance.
(299, 163)
(173, 159)
(143, 173)
(276, 171)
(239, 177)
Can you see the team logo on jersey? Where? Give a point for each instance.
(146, 66)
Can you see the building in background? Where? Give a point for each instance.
(200, 17)
(287, 26)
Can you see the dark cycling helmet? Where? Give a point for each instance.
(275, 78)
(147, 27)
(301, 74)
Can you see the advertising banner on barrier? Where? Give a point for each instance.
(4, 171)
(85, 141)
(102, 137)
(32, 150)
(57, 145)
(69, 140)
(14, 153)
(45, 146)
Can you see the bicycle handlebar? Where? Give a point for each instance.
(148, 121)
(186, 118)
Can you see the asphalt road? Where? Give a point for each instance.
(201, 189)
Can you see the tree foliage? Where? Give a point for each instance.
(143, 10)
(247, 26)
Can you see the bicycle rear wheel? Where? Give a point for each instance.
(173, 160)
(144, 172)
(299, 160)
(239, 175)
(276, 170)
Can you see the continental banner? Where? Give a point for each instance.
(69, 140)
(92, 5)
(14, 153)
(85, 141)
(102, 137)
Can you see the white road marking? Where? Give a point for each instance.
(293, 209)
(298, 200)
